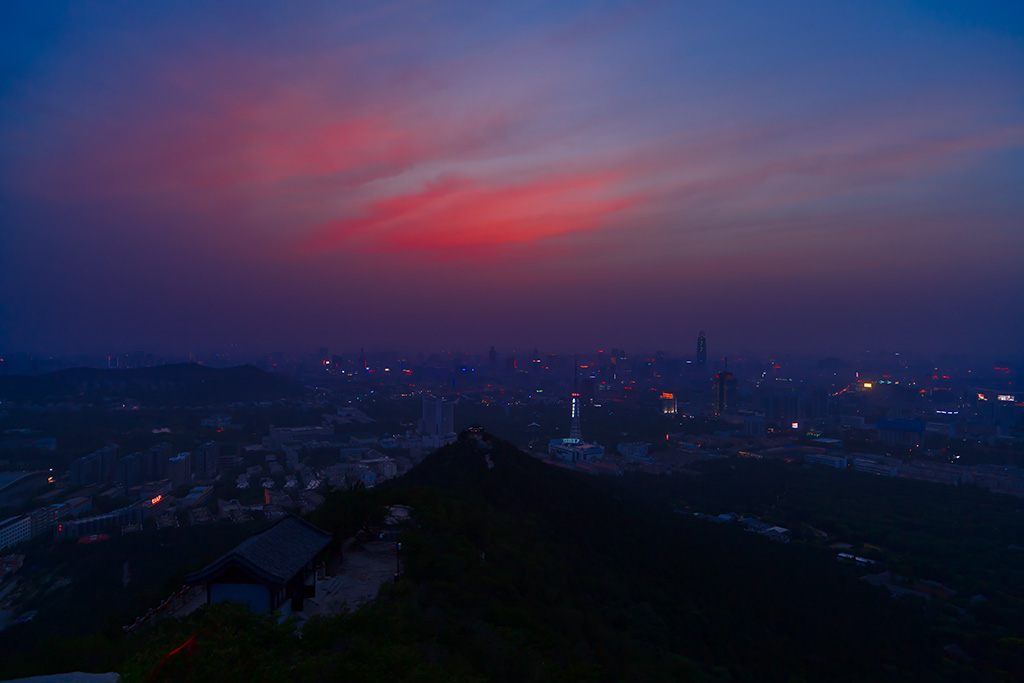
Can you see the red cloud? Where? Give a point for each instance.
(235, 133)
(459, 214)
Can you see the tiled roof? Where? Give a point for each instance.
(274, 555)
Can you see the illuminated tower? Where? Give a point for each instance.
(573, 448)
(702, 350)
(574, 431)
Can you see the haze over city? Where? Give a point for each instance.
(822, 177)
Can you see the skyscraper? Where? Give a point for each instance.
(724, 391)
(575, 432)
(437, 427)
(702, 350)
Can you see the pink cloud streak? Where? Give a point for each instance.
(301, 154)
(463, 214)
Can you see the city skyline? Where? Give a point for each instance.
(809, 177)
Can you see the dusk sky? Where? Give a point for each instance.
(812, 176)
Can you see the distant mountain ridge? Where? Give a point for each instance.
(176, 384)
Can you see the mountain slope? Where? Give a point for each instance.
(524, 571)
(679, 587)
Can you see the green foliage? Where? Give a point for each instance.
(963, 537)
(345, 513)
(529, 572)
(81, 600)
(225, 642)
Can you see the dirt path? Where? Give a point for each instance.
(363, 570)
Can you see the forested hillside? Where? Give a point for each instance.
(524, 571)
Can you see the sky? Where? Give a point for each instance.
(809, 176)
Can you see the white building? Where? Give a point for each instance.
(872, 467)
(572, 450)
(14, 530)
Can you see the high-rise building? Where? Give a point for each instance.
(131, 470)
(785, 405)
(206, 461)
(724, 391)
(702, 350)
(85, 471)
(179, 469)
(575, 431)
(154, 461)
(437, 426)
(96, 468)
(43, 519)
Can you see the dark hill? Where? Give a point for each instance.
(528, 572)
(565, 548)
(182, 384)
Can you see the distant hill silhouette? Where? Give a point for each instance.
(178, 384)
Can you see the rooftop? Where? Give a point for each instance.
(274, 555)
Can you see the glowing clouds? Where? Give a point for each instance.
(288, 156)
(463, 214)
